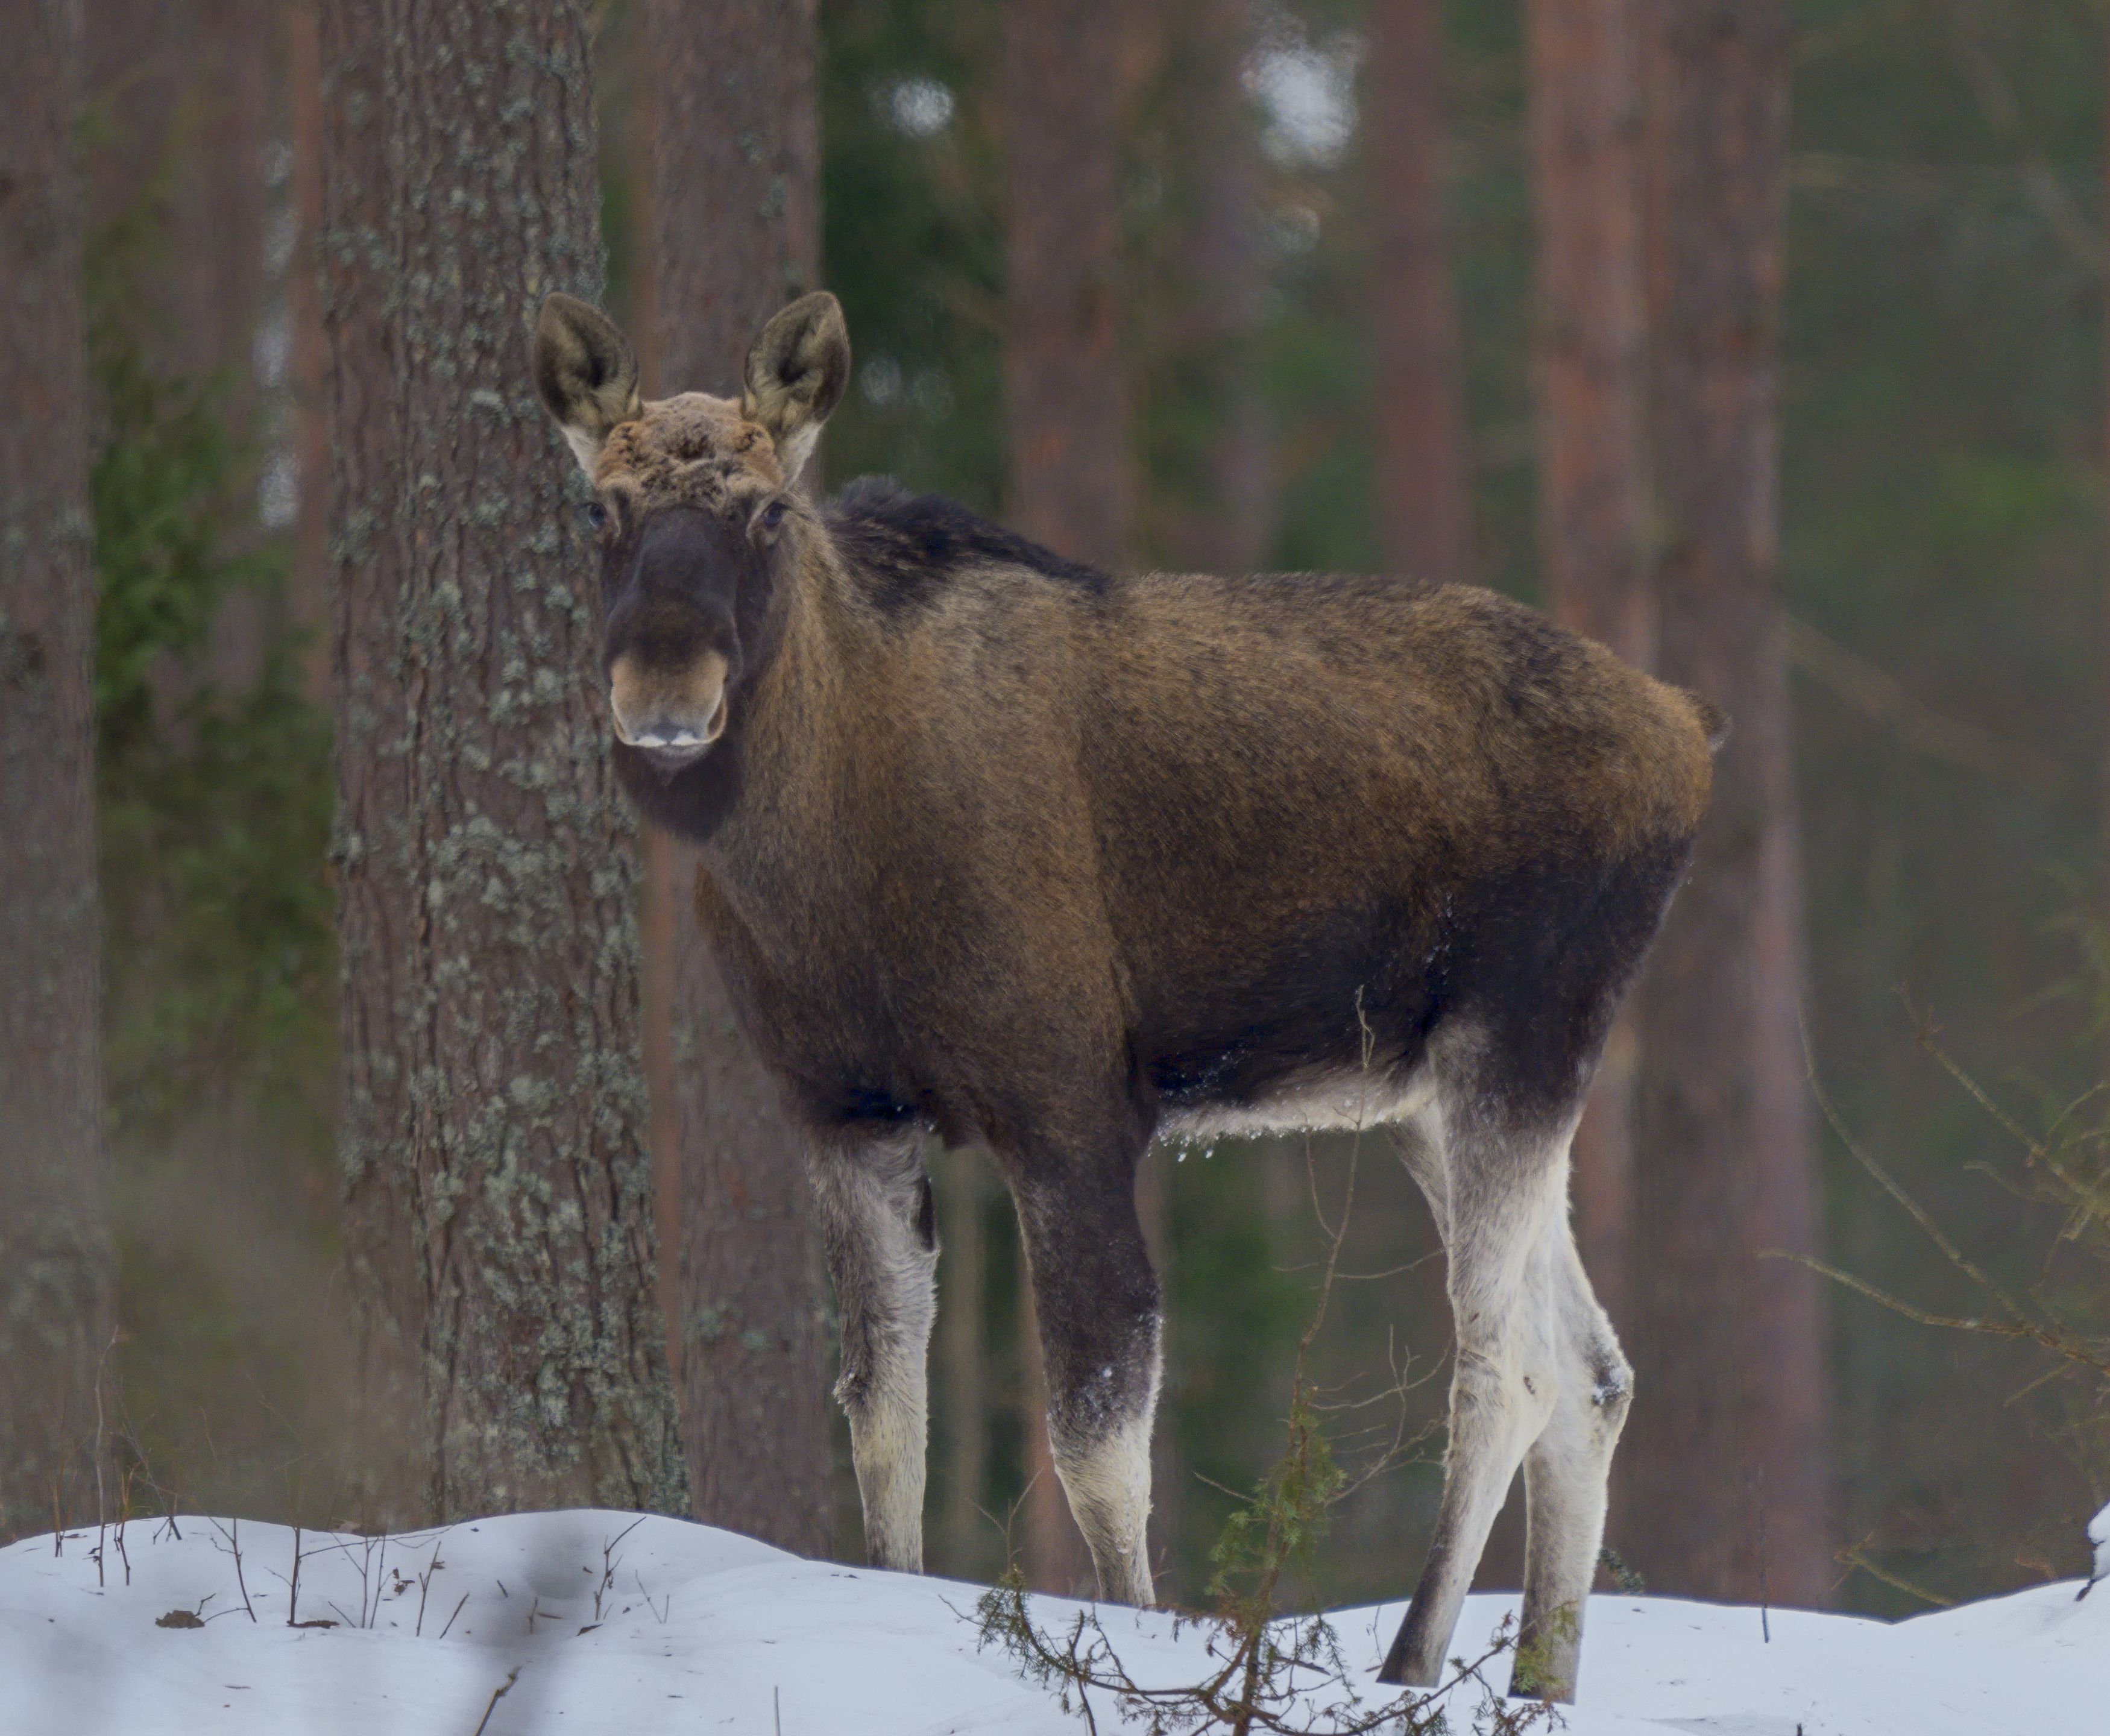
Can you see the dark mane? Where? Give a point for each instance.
(908, 545)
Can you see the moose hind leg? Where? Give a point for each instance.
(878, 1222)
(1502, 1190)
(1566, 1472)
(1097, 1303)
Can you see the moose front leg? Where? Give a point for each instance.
(880, 1228)
(1097, 1299)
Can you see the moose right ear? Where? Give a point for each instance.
(586, 374)
(795, 373)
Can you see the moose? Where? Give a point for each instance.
(1052, 860)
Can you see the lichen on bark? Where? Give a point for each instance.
(497, 1186)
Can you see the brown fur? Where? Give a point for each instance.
(1047, 859)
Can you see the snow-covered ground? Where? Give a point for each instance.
(602, 1622)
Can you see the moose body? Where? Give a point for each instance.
(1052, 860)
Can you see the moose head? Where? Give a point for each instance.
(694, 511)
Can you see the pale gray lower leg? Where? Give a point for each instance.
(877, 1221)
(1566, 1473)
(1103, 1459)
(1497, 1204)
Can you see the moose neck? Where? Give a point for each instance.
(760, 806)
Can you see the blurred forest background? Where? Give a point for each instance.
(1941, 569)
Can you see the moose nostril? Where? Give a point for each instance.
(670, 735)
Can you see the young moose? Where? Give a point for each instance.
(1055, 860)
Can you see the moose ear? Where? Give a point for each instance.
(796, 371)
(585, 374)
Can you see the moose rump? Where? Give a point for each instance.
(1051, 859)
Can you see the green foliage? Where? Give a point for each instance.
(912, 195)
(221, 935)
(1277, 1530)
(215, 807)
(159, 487)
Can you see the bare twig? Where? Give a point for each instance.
(293, 1585)
(1918, 1214)
(233, 1537)
(1923, 1033)
(102, 1440)
(1883, 700)
(2003, 114)
(449, 1628)
(123, 1518)
(1857, 1557)
(497, 1693)
(608, 1563)
(425, 1583)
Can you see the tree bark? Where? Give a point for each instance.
(1591, 392)
(1224, 523)
(1067, 425)
(1728, 1451)
(735, 226)
(56, 1301)
(498, 1220)
(1424, 488)
(1064, 412)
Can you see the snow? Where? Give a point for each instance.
(2098, 1534)
(699, 1629)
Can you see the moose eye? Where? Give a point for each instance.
(771, 516)
(597, 515)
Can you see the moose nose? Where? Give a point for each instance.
(672, 714)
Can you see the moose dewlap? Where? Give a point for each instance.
(1051, 860)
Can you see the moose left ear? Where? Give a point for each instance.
(796, 371)
(586, 374)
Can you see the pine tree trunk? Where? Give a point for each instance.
(498, 1221)
(1065, 414)
(55, 1257)
(1227, 524)
(1067, 424)
(1727, 1453)
(1591, 390)
(735, 233)
(1425, 493)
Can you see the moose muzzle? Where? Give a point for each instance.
(670, 713)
